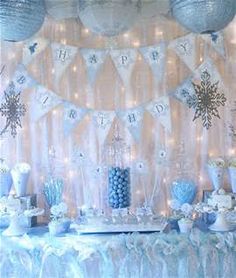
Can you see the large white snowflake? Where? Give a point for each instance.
(13, 110)
(206, 100)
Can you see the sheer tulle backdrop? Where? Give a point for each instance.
(81, 188)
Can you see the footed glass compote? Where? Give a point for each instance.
(12, 208)
(221, 224)
(15, 228)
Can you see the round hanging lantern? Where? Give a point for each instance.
(108, 17)
(152, 8)
(203, 16)
(62, 9)
(20, 19)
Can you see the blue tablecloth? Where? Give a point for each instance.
(126, 255)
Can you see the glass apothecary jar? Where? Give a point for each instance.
(118, 155)
(183, 187)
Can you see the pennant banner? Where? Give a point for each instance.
(42, 101)
(94, 59)
(21, 79)
(185, 48)
(72, 116)
(63, 55)
(102, 121)
(160, 109)
(32, 48)
(185, 91)
(209, 66)
(133, 120)
(124, 61)
(216, 40)
(155, 56)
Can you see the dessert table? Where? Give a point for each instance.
(200, 254)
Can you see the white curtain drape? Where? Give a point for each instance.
(81, 188)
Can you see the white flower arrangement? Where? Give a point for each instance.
(59, 222)
(217, 162)
(232, 163)
(22, 168)
(4, 168)
(182, 211)
(58, 212)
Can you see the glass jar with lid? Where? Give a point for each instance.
(118, 160)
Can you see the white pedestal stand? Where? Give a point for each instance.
(15, 228)
(221, 224)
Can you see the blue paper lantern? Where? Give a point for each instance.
(203, 16)
(20, 19)
(183, 190)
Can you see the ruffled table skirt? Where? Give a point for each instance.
(132, 255)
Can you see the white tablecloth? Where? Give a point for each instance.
(127, 255)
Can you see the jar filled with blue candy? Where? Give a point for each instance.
(183, 188)
(119, 192)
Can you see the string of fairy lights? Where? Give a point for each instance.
(23, 139)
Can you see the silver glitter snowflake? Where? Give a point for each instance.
(206, 100)
(13, 110)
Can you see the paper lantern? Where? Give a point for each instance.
(108, 17)
(203, 16)
(152, 8)
(20, 19)
(62, 9)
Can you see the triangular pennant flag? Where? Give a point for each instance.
(124, 61)
(21, 79)
(42, 101)
(160, 109)
(155, 56)
(102, 121)
(72, 116)
(94, 59)
(217, 42)
(185, 48)
(62, 57)
(208, 66)
(133, 120)
(184, 91)
(32, 48)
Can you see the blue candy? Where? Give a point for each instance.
(119, 187)
(184, 191)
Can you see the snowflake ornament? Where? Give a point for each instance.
(13, 110)
(206, 100)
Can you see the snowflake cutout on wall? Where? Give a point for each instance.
(13, 110)
(206, 100)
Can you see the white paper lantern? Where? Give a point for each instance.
(108, 17)
(152, 8)
(20, 19)
(62, 9)
(203, 16)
